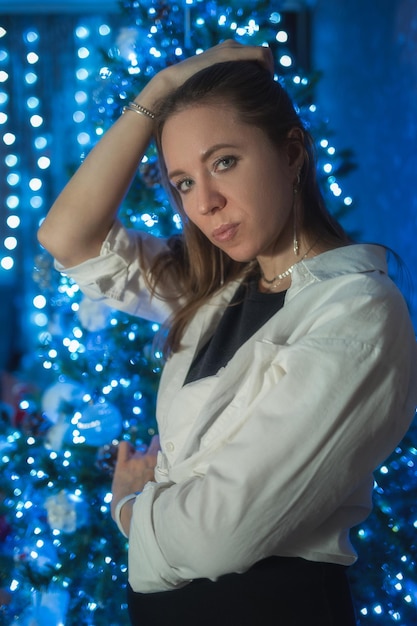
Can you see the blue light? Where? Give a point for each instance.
(35, 184)
(9, 139)
(36, 202)
(40, 143)
(335, 189)
(40, 319)
(285, 60)
(11, 160)
(80, 97)
(7, 263)
(83, 139)
(104, 30)
(82, 74)
(31, 36)
(32, 102)
(12, 202)
(44, 162)
(36, 121)
(83, 53)
(39, 302)
(82, 32)
(281, 36)
(104, 73)
(32, 58)
(10, 243)
(78, 117)
(31, 78)
(13, 221)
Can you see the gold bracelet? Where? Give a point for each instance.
(138, 108)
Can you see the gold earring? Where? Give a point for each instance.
(296, 247)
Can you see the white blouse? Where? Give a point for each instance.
(274, 455)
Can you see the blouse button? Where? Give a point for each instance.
(169, 446)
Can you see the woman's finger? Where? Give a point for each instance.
(124, 451)
(154, 446)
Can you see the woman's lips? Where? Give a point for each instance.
(226, 232)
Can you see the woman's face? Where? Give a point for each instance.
(235, 186)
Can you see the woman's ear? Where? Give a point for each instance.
(295, 148)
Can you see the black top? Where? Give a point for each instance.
(248, 310)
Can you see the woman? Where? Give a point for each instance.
(291, 356)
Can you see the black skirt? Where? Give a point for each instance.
(278, 591)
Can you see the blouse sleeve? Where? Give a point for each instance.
(116, 276)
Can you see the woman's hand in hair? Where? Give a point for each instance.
(229, 50)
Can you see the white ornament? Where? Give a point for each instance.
(55, 435)
(66, 512)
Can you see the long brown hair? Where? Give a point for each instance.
(199, 268)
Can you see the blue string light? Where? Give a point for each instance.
(11, 199)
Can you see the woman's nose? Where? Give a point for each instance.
(210, 199)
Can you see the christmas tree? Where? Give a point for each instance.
(94, 376)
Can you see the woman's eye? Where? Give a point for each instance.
(183, 185)
(225, 163)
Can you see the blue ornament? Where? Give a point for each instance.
(100, 423)
(61, 400)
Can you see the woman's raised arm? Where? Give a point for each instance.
(83, 213)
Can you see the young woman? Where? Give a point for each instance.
(291, 358)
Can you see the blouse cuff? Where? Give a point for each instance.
(118, 511)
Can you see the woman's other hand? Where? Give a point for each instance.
(134, 468)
